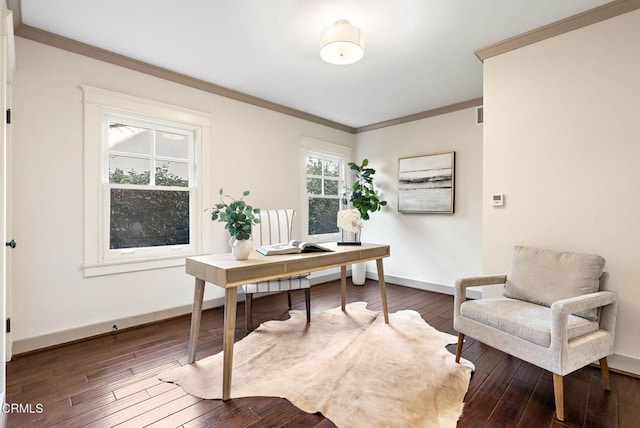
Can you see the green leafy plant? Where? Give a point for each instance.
(237, 215)
(362, 194)
(148, 216)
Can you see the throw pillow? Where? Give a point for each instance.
(544, 276)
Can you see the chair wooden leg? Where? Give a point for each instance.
(248, 300)
(558, 392)
(604, 369)
(307, 300)
(459, 347)
(289, 298)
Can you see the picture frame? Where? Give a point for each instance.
(426, 183)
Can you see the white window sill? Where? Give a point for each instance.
(134, 265)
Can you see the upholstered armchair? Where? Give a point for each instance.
(275, 227)
(551, 314)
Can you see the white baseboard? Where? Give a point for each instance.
(21, 346)
(423, 285)
(56, 338)
(624, 363)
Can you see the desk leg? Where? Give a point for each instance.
(343, 286)
(231, 297)
(383, 290)
(196, 315)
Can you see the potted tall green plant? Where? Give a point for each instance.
(238, 218)
(365, 200)
(362, 194)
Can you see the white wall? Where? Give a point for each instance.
(561, 141)
(252, 149)
(429, 251)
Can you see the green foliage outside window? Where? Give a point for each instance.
(322, 215)
(148, 217)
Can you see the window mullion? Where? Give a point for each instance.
(324, 196)
(152, 174)
(131, 155)
(170, 159)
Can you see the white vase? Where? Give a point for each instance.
(241, 248)
(358, 271)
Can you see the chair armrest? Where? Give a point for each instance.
(560, 311)
(475, 281)
(478, 281)
(584, 302)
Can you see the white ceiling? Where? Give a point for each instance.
(419, 54)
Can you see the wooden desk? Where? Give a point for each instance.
(225, 271)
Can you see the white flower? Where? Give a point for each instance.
(350, 220)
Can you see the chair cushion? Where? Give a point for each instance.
(281, 284)
(525, 320)
(545, 276)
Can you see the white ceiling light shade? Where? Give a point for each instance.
(342, 43)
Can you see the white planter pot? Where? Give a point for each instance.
(358, 271)
(241, 249)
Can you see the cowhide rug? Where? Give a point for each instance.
(350, 366)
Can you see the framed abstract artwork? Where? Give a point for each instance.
(426, 183)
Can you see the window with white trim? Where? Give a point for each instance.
(143, 182)
(324, 180)
(149, 184)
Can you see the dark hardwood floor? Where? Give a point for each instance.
(111, 380)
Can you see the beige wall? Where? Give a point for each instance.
(561, 141)
(429, 250)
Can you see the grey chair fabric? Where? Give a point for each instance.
(275, 227)
(553, 316)
(546, 276)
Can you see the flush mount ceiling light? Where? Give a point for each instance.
(342, 43)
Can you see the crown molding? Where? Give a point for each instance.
(591, 16)
(50, 39)
(422, 115)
